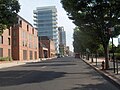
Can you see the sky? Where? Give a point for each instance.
(26, 11)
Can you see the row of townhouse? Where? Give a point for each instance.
(20, 42)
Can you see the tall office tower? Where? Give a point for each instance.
(45, 19)
(62, 36)
(62, 40)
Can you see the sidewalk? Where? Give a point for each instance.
(17, 63)
(109, 74)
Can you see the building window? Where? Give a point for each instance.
(23, 43)
(9, 32)
(32, 30)
(24, 54)
(1, 52)
(8, 41)
(20, 23)
(1, 39)
(35, 54)
(31, 55)
(27, 27)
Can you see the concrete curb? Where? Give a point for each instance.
(106, 75)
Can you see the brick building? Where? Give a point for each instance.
(43, 51)
(24, 41)
(5, 44)
(20, 41)
(47, 47)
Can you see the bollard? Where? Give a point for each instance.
(102, 65)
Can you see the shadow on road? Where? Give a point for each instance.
(10, 78)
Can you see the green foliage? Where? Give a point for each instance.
(112, 49)
(96, 16)
(83, 41)
(5, 58)
(117, 49)
(117, 56)
(101, 50)
(2, 27)
(76, 43)
(8, 13)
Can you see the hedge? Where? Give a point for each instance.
(5, 58)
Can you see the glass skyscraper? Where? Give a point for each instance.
(62, 36)
(45, 19)
(62, 41)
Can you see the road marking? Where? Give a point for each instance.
(44, 67)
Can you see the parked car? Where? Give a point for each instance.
(77, 55)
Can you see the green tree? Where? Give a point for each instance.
(98, 15)
(77, 43)
(84, 40)
(8, 13)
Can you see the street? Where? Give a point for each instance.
(65, 73)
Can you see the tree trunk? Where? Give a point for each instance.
(96, 58)
(81, 55)
(92, 57)
(106, 53)
(87, 56)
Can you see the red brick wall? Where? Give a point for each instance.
(28, 41)
(5, 45)
(15, 43)
(17, 39)
(51, 47)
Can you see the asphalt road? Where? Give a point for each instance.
(65, 73)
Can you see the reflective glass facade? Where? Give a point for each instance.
(45, 19)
